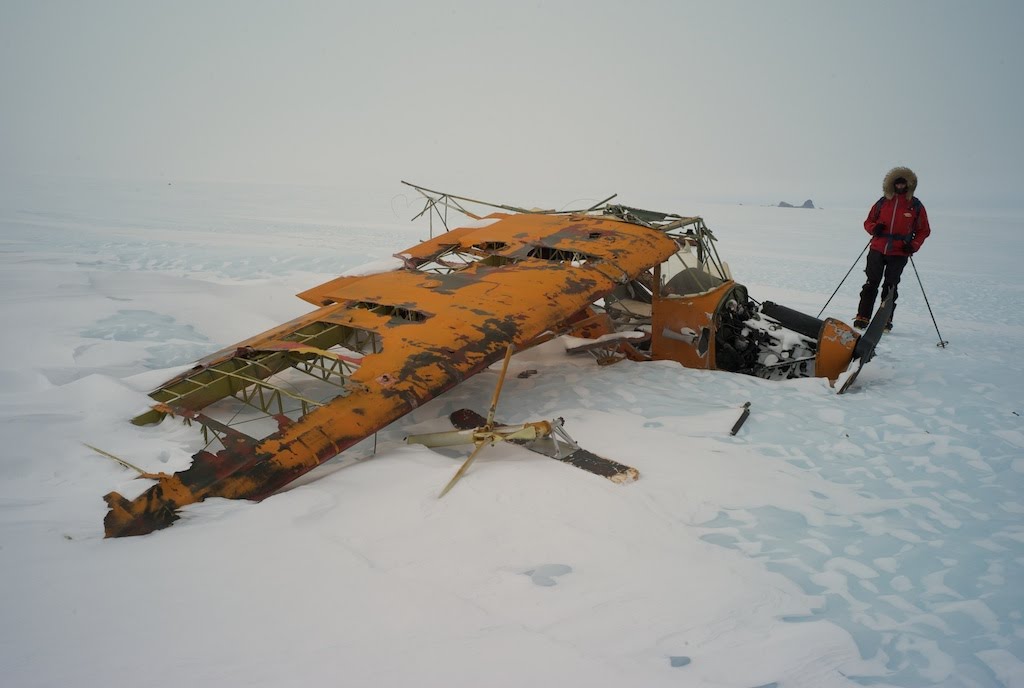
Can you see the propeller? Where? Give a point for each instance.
(486, 434)
(547, 438)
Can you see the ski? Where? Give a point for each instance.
(850, 380)
(559, 446)
(865, 349)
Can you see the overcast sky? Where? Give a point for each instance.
(522, 101)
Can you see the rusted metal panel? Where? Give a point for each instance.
(836, 343)
(680, 322)
(316, 296)
(432, 247)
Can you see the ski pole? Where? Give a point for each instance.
(844, 278)
(942, 342)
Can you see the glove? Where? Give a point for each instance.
(878, 229)
(909, 248)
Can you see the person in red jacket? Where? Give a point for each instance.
(899, 225)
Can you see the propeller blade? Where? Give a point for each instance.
(446, 438)
(462, 470)
(497, 389)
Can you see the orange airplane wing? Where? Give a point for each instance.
(377, 347)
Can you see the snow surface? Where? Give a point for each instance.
(875, 538)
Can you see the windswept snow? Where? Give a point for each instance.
(875, 538)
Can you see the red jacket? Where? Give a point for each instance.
(904, 219)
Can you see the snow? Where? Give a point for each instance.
(875, 538)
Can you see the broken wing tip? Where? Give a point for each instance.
(122, 520)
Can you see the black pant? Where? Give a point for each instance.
(878, 263)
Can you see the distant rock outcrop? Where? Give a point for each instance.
(807, 204)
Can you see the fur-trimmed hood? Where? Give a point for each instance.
(888, 187)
